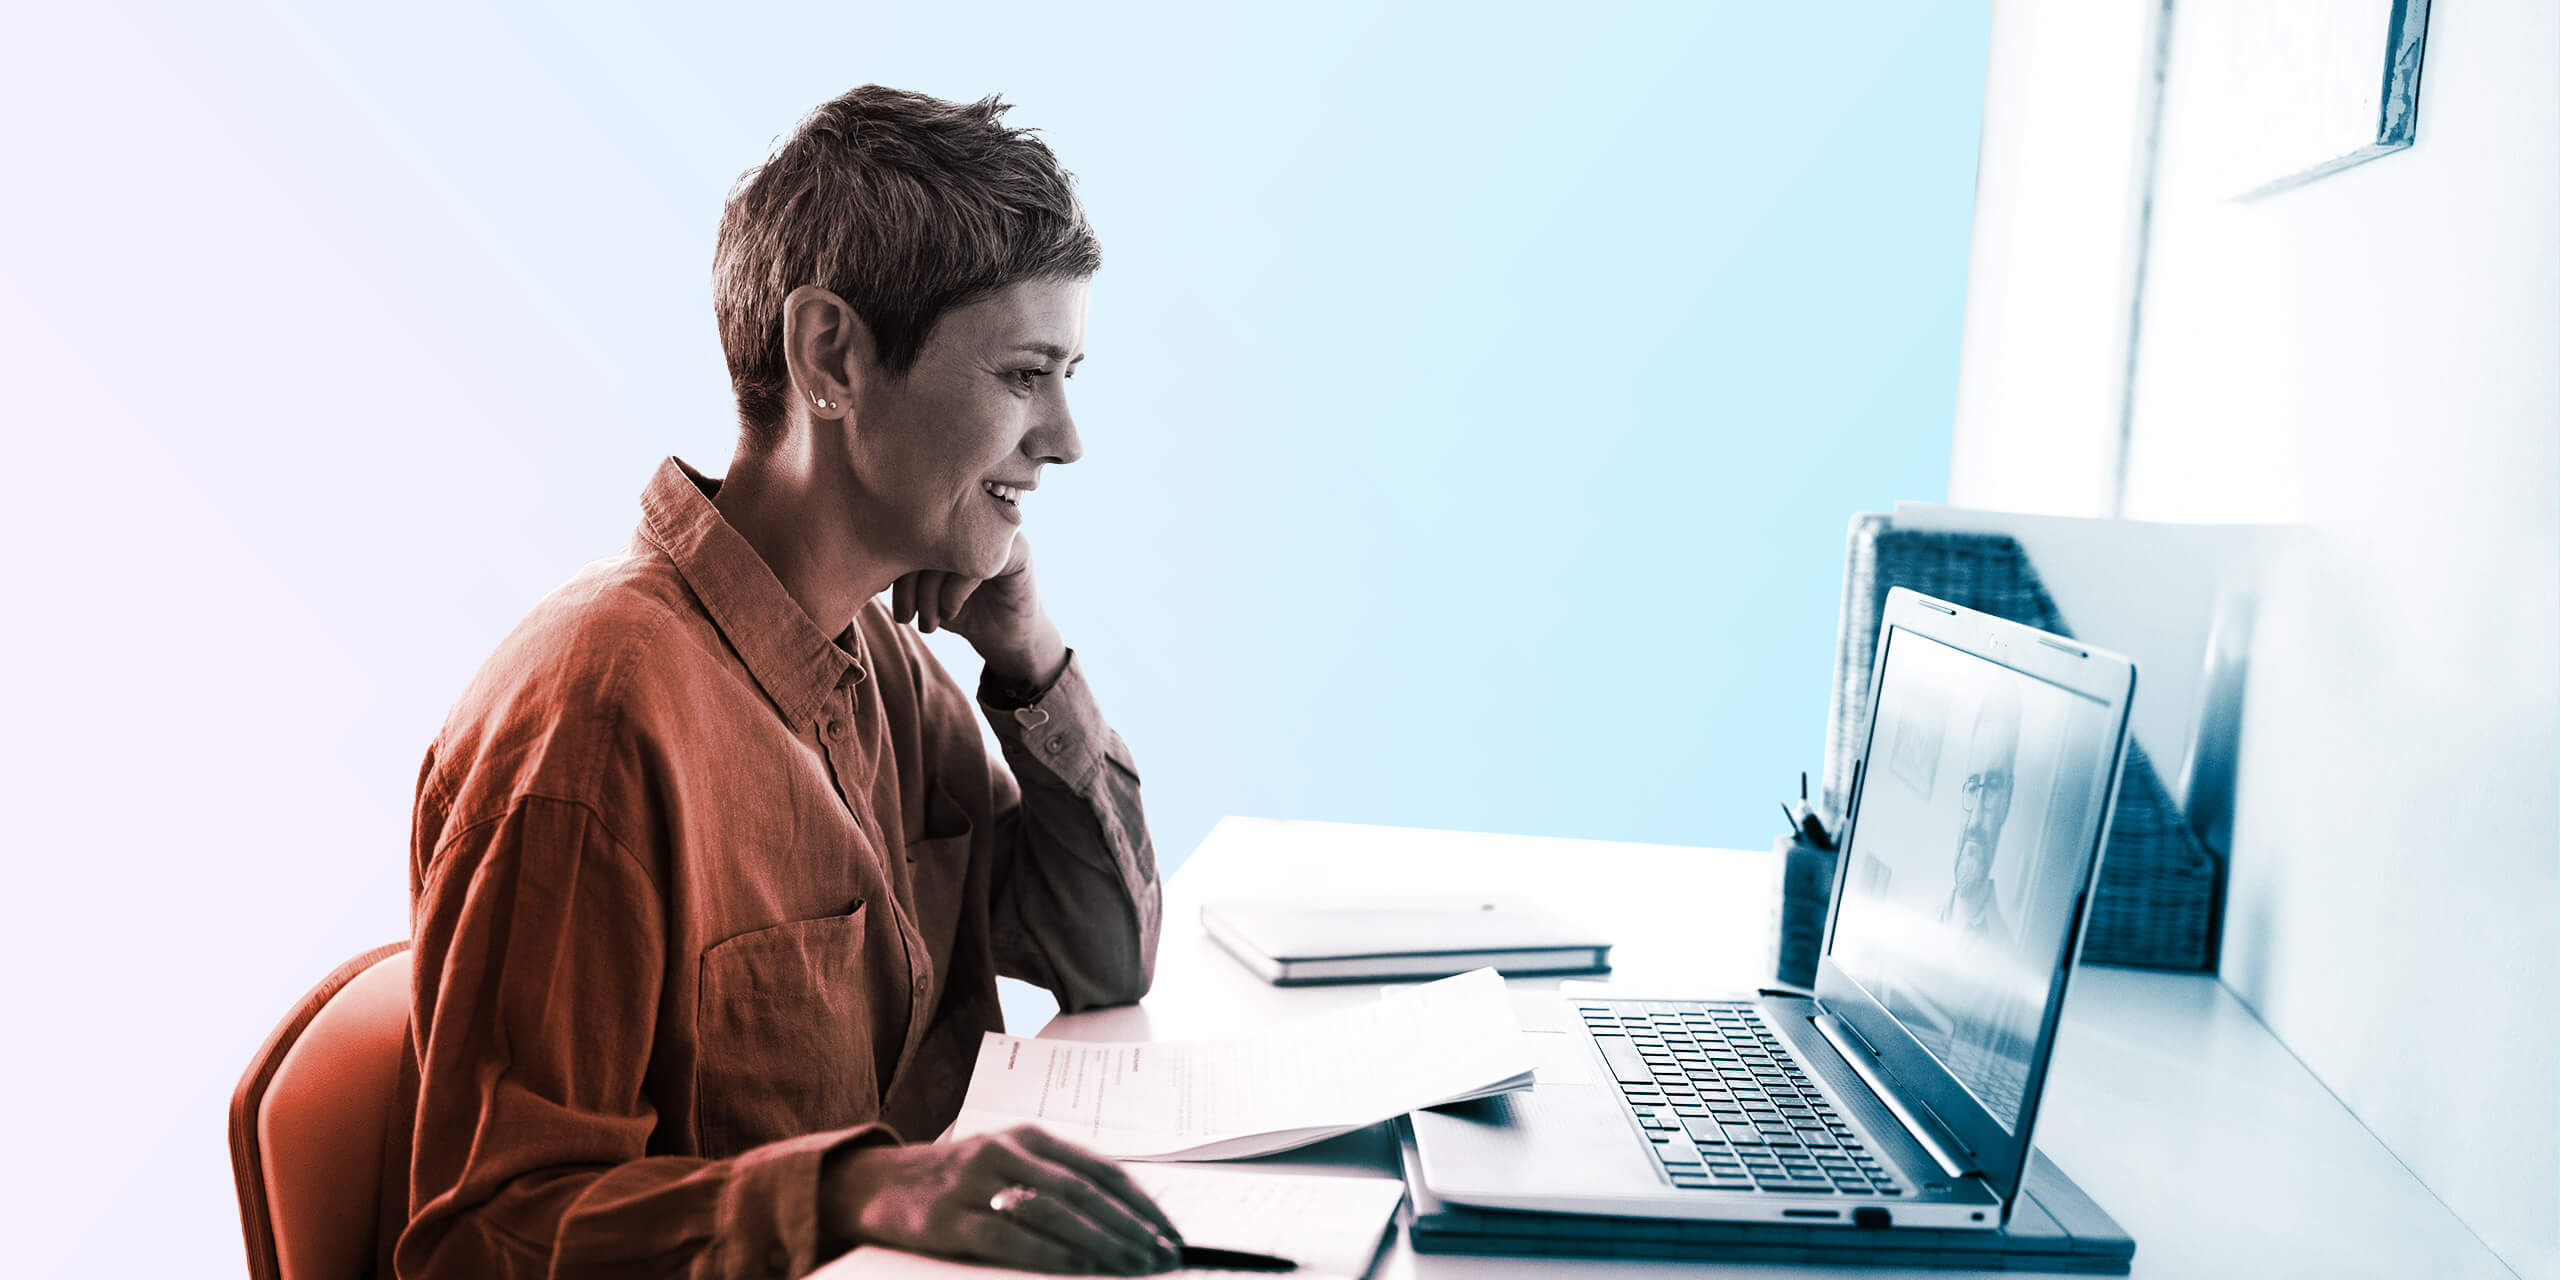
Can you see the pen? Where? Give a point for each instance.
(1802, 817)
(1203, 1256)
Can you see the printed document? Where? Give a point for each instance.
(1305, 1081)
(1330, 1226)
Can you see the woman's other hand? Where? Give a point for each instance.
(1081, 1212)
(1000, 617)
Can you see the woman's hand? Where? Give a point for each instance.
(1081, 1213)
(1000, 617)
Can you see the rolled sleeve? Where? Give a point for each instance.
(1078, 906)
(1062, 734)
(767, 1215)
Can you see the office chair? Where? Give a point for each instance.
(309, 1120)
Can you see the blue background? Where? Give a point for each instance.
(1475, 407)
(1477, 400)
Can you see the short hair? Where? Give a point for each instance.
(905, 206)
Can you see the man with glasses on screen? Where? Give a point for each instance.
(1990, 780)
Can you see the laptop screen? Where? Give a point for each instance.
(1983, 792)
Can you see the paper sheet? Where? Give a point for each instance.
(1330, 1226)
(1308, 1080)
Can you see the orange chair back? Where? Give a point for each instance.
(310, 1118)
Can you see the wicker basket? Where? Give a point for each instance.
(2159, 889)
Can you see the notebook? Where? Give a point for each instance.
(2055, 1227)
(1300, 942)
(1331, 1226)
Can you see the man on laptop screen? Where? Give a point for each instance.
(1971, 841)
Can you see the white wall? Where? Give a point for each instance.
(2040, 396)
(2371, 357)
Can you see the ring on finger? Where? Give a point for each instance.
(1012, 1198)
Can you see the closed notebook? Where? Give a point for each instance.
(1296, 942)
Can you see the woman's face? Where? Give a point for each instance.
(947, 456)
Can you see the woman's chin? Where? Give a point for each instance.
(989, 558)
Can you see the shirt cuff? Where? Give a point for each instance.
(1063, 732)
(1004, 695)
(769, 1213)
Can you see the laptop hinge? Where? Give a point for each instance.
(1853, 1049)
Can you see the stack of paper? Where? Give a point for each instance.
(1330, 1226)
(1305, 1081)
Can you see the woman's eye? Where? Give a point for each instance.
(1027, 378)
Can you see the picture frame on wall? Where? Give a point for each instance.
(2305, 88)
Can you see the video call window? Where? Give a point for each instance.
(1973, 834)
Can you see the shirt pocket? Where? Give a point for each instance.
(784, 1027)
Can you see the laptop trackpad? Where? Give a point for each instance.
(1553, 1140)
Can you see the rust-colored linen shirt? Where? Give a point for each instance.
(700, 894)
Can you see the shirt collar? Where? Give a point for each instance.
(796, 664)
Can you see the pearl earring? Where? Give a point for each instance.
(822, 402)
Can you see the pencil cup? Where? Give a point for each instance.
(1804, 908)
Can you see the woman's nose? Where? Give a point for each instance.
(1055, 440)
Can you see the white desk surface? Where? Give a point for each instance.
(2168, 1102)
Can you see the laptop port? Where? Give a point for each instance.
(1874, 1218)
(1811, 1213)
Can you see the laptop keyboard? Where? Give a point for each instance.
(1725, 1103)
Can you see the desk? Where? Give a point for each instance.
(2168, 1101)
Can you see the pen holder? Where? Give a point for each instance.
(1804, 908)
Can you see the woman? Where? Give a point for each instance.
(712, 875)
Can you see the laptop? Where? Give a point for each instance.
(1903, 1091)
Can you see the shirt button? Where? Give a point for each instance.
(919, 986)
(835, 728)
(1058, 744)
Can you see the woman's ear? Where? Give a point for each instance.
(827, 348)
